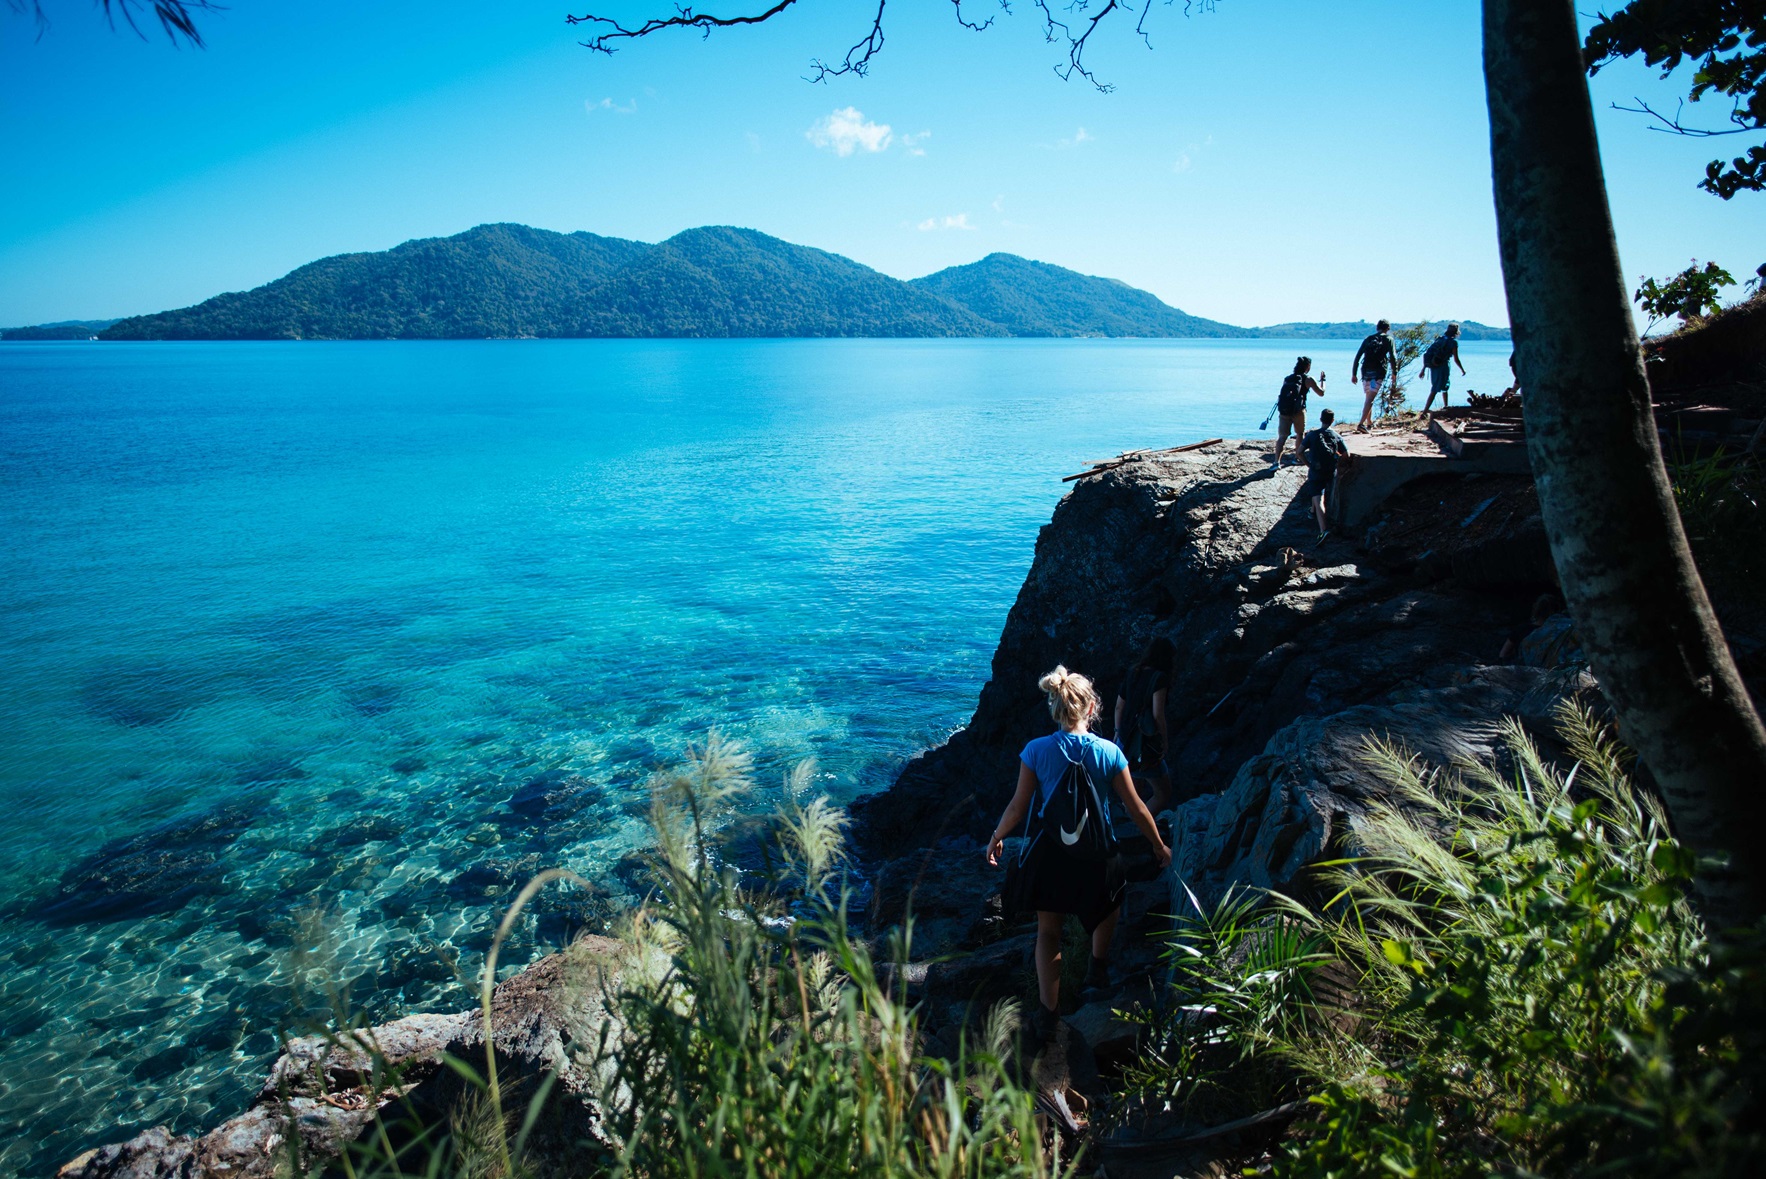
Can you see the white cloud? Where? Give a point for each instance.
(999, 203)
(957, 221)
(1186, 159)
(630, 106)
(912, 142)
(847, 130)
(1080, 136)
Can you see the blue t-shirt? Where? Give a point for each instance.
(1048, 758)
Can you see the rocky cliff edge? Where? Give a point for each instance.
(1294, 652)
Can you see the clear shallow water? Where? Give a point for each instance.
(324, 648)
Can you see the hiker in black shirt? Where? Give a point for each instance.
(1324, 448)
(1290, 404)
(1142, 732)
(1373, 360)
(1435, 358)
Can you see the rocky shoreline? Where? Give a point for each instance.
(1295, 653)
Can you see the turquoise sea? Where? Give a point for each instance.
(311, 653)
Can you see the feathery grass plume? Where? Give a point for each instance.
(769, 1045)
(814, 834)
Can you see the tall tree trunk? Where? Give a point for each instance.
(1627, 574)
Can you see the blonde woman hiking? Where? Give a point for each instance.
(1069, 863)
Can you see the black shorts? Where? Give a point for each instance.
(1317, 484)
(1090, 890)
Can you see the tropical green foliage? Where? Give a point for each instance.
(1723, 509)
(1692, 294)
(1524, 988)
(1242, 978)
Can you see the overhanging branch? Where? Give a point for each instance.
(1673, 126)
(684, 18)
(858, 59)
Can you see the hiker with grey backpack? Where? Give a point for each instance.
(1069, 862)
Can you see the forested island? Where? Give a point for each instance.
(513, 281)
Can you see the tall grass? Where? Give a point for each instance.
(748, 1033)
(1507, 980)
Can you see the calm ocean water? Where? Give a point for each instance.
(311, 653)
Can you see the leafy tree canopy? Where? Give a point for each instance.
(1727, 40)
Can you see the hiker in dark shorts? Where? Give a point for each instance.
(1141, 729)
(1059, 885)
(1435, 359)
(1324, 449)
(1290, 405)
(1373, 360)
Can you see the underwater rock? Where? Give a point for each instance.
(553, 795)
(158, 871)
(356, 832)
(139, 697)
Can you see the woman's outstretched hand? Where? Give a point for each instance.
(1163, 855)
(997, 848)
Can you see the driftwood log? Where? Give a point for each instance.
(1134, 455)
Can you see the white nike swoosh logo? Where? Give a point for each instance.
(1072, 839)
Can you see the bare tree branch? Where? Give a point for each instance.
(858, 58)
(684, 18)
(1075, 63)
(1005, 6)
(1675, 127)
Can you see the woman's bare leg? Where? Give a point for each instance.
(1101, 937)
(1048, 958)
(1161, 798)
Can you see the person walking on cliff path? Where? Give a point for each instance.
(1069, 863)
(1290, 405)
(1141, 729)
(1435, 358)
(1324, 449)
(1373, 360)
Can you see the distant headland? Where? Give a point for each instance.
(513, 281)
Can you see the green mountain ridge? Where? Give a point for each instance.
(66, 329)
(514, 281)
(1039, 299)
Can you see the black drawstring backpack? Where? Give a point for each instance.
(1072, 824)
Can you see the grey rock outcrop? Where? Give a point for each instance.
(323, 1092)
(1217, 552)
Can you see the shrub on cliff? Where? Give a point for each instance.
(1509, 981)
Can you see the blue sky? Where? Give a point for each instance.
(1272, 160)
